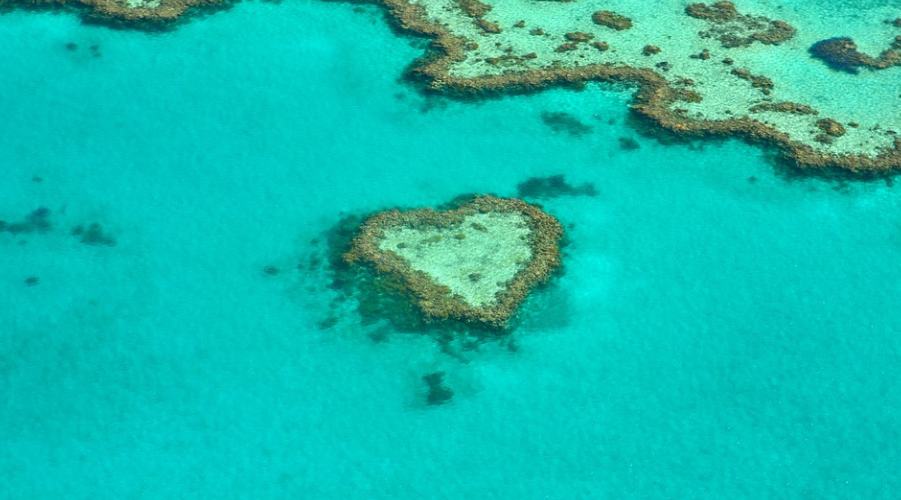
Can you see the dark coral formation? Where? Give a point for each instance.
(841, 54)
(473, 8)
(93, 234)
(435, 300)
(831, 127)
(830, 130)
(566, 47)
(38, 221)
(718, 12)
(734, 29)
(687, 95)
(789, 107)
(757, 81)
(628, 144)
(488, 27)
(552, 187)
(559, 121)
(703, 55)
(510, 59)
(438, 393)
(578, 36)
(612, 20)
(477, 10)
(650, 50)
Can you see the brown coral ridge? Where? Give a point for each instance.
(435, 300)
(118, 13)
(734, 29)
(612, 20)
(841, 54)
(789, 107)
(764, 84)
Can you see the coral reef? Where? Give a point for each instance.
(718, 12)
(757, 81)
(578, 36)
(473, 8)
(831, 127)
(784, 107)
(612, 20)
(841, 54)
(734, 29)
(475, 262)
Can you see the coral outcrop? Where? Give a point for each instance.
(475, 263)
(841, 54)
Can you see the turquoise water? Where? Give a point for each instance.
(721, 329)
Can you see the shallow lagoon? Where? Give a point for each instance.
(720, 329)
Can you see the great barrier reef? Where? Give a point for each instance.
(499, 249)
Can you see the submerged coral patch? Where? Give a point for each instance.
(559, 121)
(37, 221)
(552, 187)
(475, 262)
(438, 393)
(93, 234)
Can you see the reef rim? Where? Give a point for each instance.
(435, 300)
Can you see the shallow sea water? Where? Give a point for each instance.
(720, 330)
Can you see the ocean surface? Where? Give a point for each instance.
(722, 328)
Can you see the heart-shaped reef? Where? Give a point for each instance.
(475, 262)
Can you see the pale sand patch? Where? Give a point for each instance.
(142, 4)
(474, 259)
